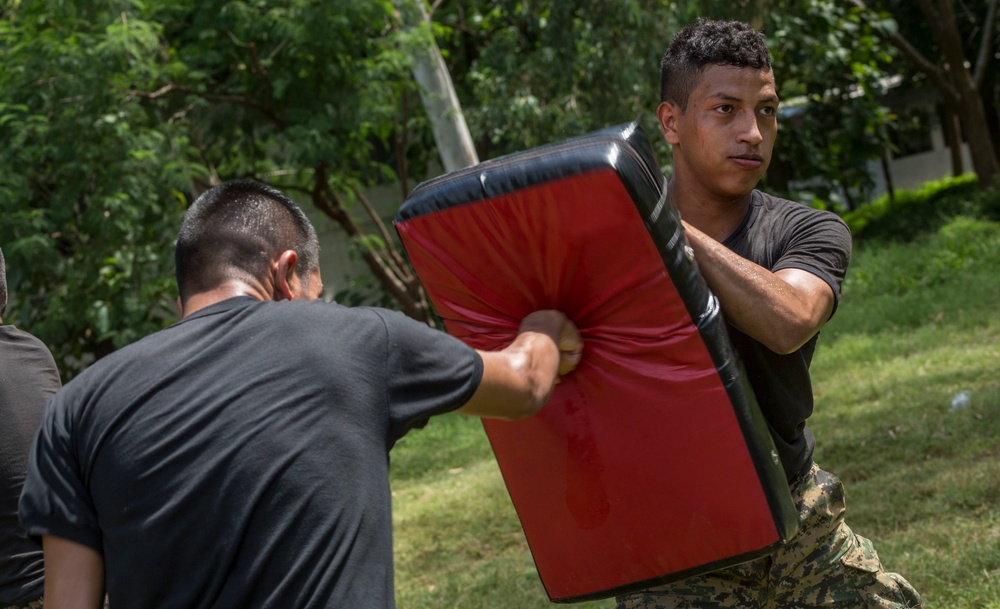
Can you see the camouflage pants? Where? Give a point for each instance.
(32, 605)
(824, 565)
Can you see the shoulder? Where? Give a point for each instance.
(771, 204)
(26, 349)
(399, 326)
(405, 333)
(321, 324)
(259, 318)
(12, 335)
(786, 216)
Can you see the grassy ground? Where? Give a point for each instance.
(918, 323)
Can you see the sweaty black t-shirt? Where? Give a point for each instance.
(239, 458)
(28, 378)
(780, 234)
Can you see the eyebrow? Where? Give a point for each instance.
(733, 98)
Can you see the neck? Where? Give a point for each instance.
(717, 217)
(231, 289)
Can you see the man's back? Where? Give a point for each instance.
(239, 458)
(28, 377)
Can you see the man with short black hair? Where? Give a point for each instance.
(239, 458)
(776, 267)
(28, 378)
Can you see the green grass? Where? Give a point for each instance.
(918, 323)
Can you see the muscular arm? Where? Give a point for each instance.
(74, 575)
(782, 310)
(517, 381)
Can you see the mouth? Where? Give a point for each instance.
(749, 161)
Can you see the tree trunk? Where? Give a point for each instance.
(890, 189)
(967, 101)
(451, 134)
(977, 132)
(954, 80)
(953, 139)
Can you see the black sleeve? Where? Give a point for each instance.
(55, 500)
(428, 372)
(819, 243)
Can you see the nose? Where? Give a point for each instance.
(749, 129)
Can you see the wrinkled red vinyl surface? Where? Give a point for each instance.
(636, 469)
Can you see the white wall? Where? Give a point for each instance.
(913, 170)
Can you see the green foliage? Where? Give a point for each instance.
(834, 65)
(90, 187)
(905, 285)
(917, 324)
(272, 87)
(531, 74)
(920, 211)
(116, 114)
(952, 48)
(904, 17)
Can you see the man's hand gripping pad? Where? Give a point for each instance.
(651, 461)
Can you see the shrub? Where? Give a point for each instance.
(922, 211)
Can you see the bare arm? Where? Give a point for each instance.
(517, 381)
(782, 310)
(74, 575)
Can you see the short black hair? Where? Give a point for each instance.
(234, 231)
(706, 43)
(3, 285)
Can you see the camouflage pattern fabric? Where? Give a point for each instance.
(824, 565)
(32, 605)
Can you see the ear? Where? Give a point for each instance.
(668, 114)
(285, 286)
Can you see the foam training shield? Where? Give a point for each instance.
(651, 461)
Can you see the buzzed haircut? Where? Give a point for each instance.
(703, 44)
(3, 285)
(234, 231)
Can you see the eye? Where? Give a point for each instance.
(724, 109)
(768, 110)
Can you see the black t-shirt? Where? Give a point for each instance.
(780, 234)
(239, 458)
(28, 378)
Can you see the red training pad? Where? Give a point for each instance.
(637, 470)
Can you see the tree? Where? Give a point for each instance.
(533, 73)
(830, 59)
(539, 72)
(307, 94)
(89, 267)
(165, 98)
(116, 115)
(960, 68)
(440, 101)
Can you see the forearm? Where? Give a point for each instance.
(782, 310)
(74, 575)
(524, 376)
(518, 380)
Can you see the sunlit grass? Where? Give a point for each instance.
(922, 477)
